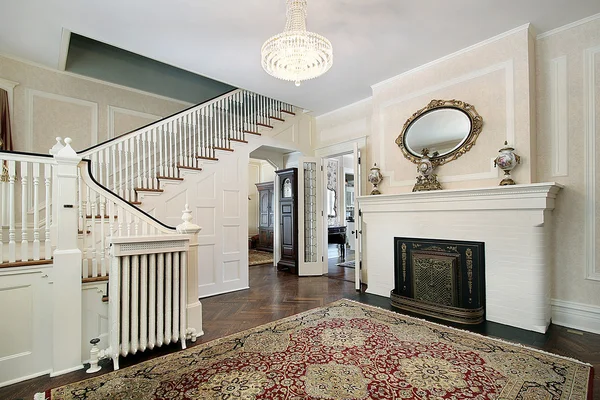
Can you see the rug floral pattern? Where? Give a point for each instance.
(345, 351)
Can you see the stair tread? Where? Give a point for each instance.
(169, 178)
(207, 158)
(253, 133)
(277, 118)
(25, 263)
(288, 112)
(264, 125)
(223, 148)
(148, 190)
(98, 216)
(135, 203)
(239, 140)
(191, 168)
(95, 279)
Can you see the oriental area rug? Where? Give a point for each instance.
(345, 350)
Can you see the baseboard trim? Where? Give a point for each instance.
(580, 316)
(24, 378)
(66, 371)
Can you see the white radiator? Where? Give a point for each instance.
(147, 293)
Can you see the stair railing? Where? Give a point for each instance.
(139, 159)
(102, 216)
(25, 212)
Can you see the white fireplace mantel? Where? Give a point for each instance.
(514, 222)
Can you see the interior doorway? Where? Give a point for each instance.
(340, 181)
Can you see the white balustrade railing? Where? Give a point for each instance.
(25, 213)
(104, 215)
(138, 159)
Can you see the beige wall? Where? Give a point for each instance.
(494, 77)
(568, 63)
(536, 93)
(49, 103)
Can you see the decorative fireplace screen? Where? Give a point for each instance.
(440, 278)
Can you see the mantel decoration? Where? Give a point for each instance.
(438, 133)
(296, 54)
(426, 180)
(375, 178)
(507, 160)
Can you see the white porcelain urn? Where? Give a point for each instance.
(507, 160)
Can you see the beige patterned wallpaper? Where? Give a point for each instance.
(568, 64)
(49, 103)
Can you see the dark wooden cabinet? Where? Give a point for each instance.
(288, 208)
(265, 216)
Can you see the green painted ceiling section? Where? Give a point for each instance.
(99, 60)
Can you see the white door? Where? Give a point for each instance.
(310, 217)
(25, 325)
(357, 218)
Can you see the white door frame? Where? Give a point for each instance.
(349, 147)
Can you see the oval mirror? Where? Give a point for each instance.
(446, 128)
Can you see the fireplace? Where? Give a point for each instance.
(514, 222)
(440, 278)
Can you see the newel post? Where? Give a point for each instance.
(66, 275)
(194, 307)
(58, 146)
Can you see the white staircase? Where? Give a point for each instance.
(61, 213)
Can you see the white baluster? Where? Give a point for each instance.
(172, 143)
(47, 244)
(181, 139)
(121, 170)
(93, 201)
(155, 168)
(202, 133)
(24, 201)
(132, 177)
(102, 260)
(12, 244)
(36, 210)
(161, 162)
(140, 172)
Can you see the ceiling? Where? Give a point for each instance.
(372, 39)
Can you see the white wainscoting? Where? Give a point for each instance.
(26, 324)
(584, 317)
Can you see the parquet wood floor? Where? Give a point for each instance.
(274, 295)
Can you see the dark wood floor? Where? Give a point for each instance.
(274, 295)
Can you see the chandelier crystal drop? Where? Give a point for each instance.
(295, 54)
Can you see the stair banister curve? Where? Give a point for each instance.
(136, 161)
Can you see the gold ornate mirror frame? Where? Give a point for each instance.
(466, 144)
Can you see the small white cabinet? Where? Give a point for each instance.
(26, 323)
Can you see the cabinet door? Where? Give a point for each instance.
(26, 325)
(264, 209)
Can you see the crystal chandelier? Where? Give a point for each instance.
(296, 54)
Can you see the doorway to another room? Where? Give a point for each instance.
(340, 217)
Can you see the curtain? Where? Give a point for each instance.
(5, 133)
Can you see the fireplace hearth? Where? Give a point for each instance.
(440, 278)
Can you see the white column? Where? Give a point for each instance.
(194, 307)
(66, 284)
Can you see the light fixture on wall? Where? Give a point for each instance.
(296, 54)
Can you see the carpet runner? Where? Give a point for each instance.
(346, 350)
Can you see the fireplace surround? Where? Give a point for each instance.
(440, 278)
(514, 222)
